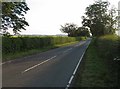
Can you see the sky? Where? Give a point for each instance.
(45, 17)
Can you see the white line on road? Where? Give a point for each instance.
(38, 64)
(74, 71)
(70, 49)
(69, 83)
(5, 62)
(67, 50)
(1, 63)
(79, 44)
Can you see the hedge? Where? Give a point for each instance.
(16, 44)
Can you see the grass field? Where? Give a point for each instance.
(98, 67)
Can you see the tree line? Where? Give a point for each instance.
(74, 31)
(98, 19)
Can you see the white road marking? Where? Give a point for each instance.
(69, 83)
(67, 50)
(5, 62)
(71, 79)
(38, 64)
(74, 71)
(79, 44)
(70, 49)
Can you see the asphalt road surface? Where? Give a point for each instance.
(53, 68)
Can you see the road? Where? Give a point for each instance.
(53, 68)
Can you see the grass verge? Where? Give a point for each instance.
(12, 56)
(95, 71)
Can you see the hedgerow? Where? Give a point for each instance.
(24, 43)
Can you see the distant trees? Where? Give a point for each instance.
(13, 17)
(69, 28)
(83, 31)
(73, 30)
(99, 19)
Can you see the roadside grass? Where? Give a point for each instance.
(96, 69)
(66, 44)
(13, 56)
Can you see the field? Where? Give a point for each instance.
(100, 66)
(13, 47)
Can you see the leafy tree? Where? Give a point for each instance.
(74, 31)
(82, 31)
(13, 17)
(112, 19)
(69, 28)
(98, 19)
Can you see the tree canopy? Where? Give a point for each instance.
(73, 30)
(13, 17)
(69, 28)
(99, 19)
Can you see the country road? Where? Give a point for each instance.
(53, 68)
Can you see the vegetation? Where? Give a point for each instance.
(13, 45)
(101, 64)
(99, 19)
(13, 17)
(74, 31)
(12, 56)
(108, 46)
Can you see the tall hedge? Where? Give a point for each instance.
(16, 44)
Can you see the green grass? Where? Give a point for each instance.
(108, 46)
(12, 56)
(61, 45)
(96, 70)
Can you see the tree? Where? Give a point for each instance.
(98, 19)
(13, 17)
(111, 26)
(82, 31)
(69, 28)
(74, 31)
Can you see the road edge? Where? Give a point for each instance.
(76, 68)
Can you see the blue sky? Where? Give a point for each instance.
(46, 16)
